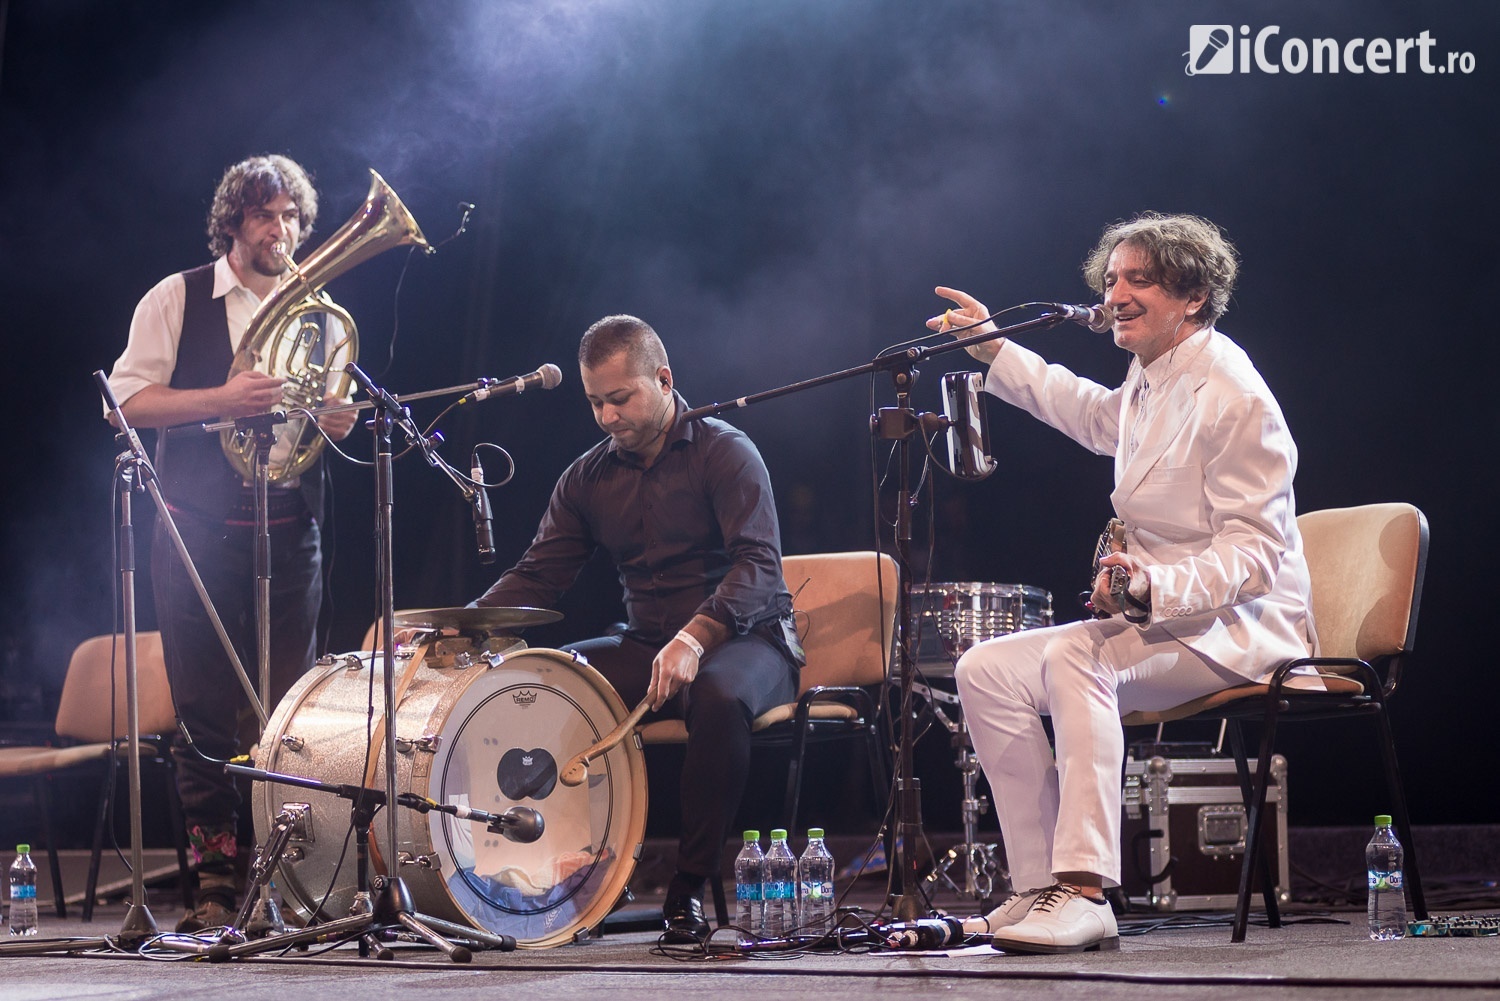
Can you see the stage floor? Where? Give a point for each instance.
(1324, 955)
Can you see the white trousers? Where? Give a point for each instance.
(1061, 813)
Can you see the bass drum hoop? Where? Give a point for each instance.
(312, 715)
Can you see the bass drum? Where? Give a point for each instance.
(481, 736)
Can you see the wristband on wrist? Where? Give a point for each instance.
(690, 641)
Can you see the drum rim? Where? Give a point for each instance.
(628, 756)
(976, 587)
(632, 764)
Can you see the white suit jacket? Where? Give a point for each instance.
(1206, 500)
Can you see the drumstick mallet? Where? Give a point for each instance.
(578, 766)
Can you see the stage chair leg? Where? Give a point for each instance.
(44, 800)
(794, 774)
(1253, 855)
(106, 791)
(1403, 821)
(721, 909)
(1247, 791)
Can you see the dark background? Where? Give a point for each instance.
(776, 185)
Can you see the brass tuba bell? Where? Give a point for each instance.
(301, 335)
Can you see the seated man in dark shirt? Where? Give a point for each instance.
(685, 511)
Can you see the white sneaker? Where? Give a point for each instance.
(1062, 919)
(1011, 910)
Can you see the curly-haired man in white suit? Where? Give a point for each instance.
(1218, 588)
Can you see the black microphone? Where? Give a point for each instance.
(520, 823)
(484, 531)
(546, 377)
(926, 933)
(1097, 318)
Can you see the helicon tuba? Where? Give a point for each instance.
(285, 338)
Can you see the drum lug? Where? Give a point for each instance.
(302, 828)
(292, 743)
(427, 742)
(432, 861)
(353, 662)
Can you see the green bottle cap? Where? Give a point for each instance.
(1382, 820)
(23, 849)
(815, 832)
(778, 834)
(752, 835)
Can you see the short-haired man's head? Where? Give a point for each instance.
(1188, 255)
(252, 183)
(613, 334)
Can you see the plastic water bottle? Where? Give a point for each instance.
(749, 891)
(1383, 859)
(815, 885)
(780, 887)
(23, 893)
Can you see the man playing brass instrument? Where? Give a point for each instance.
(174, 371)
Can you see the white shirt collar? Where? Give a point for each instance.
(1175, 359)
(226, 281)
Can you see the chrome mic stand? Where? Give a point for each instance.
(263, 917)
(389, 412)
(135, 473)
(900, 424)
(139, 924)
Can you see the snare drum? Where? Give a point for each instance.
(467, 733)
(951, 618)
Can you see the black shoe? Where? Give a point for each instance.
(684, 921)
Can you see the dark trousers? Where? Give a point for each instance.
(209, 697)
(736, 682)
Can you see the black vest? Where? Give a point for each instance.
(194, 473)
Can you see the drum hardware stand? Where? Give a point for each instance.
(981, 864)
(135, 472)
(381, 903)
(900, 424)
(983, 871)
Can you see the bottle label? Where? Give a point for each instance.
(778, 891)
(747, 891)
(22, 892)
(1386, 880)
(817, 891)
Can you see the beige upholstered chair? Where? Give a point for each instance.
(88, 733)
(845, 605)
(1367, 565)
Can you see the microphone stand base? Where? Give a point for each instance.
(265, 919)
(138, 927)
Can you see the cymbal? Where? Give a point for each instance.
(470, 620)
